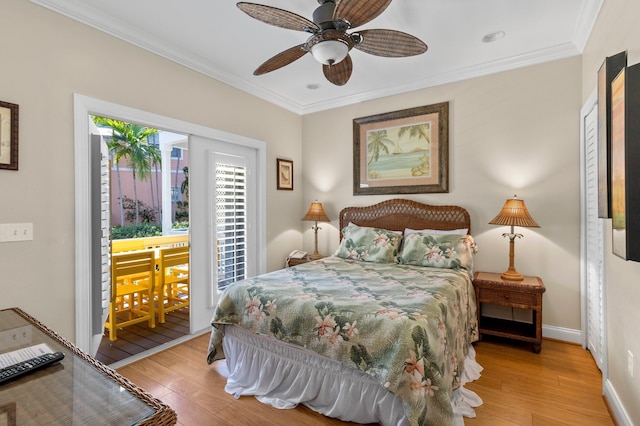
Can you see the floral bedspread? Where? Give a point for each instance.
(407, 326)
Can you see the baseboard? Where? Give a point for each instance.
(561, 333)
(617, 410)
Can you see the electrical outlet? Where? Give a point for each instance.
(16, 232)
(630, 363)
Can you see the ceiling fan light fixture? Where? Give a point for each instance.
(330, 52)
(329, 42)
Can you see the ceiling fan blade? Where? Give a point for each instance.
(278, 17)
(359, 12)
(281, 59)
(339, 73)
(390, 43)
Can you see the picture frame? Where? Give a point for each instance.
(625, 163)
(285, 174)
(402, 152)
(8, 136)
(618, 201)
(609, 69)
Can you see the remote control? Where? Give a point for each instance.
(21, 368)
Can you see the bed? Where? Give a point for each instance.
(379, 332)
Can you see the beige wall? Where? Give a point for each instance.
(617, 30)
(511, 133)
(46, 58)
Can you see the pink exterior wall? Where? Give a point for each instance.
(144, 187)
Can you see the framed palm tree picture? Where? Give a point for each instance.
(402, 152)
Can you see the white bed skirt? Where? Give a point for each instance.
(284, 375)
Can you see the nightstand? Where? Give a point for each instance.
(293, 262)
(525, 294)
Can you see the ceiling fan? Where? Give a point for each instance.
(329, 42)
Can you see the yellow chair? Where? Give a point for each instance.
(174, 272)
(133, 278)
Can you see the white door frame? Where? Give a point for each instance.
(83, 106)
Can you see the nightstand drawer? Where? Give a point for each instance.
(489, 295)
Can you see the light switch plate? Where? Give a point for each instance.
(16, 232)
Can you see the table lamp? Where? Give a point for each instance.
(316, 214)
(513, 213)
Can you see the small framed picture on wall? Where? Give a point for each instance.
(8, 136)
(285, 174)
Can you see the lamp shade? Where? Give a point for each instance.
(316, 213)
(514, 213)
(330, 52)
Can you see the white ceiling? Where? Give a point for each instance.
(217, 39)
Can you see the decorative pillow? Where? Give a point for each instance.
(463, 231)
(448, 251)
(369, 244)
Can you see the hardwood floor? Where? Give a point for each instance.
(137, 338)
(559, 386)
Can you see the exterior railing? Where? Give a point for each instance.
(134, 244)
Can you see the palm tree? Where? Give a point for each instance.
(154, 170)
(155, 166)
(130, 142)
(376, 143)
(419, 130)
(177, 173)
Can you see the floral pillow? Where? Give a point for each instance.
(448, 251)
(369, 244)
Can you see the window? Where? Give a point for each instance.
(231, 220)
(176, 195)
(153, 139)
(176, 153)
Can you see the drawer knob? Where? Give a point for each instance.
(507, 297)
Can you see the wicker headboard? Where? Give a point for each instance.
(398, 214)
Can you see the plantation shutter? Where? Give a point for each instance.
(231, 223)
(104, 229)
(100, 250)
(594, 237)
